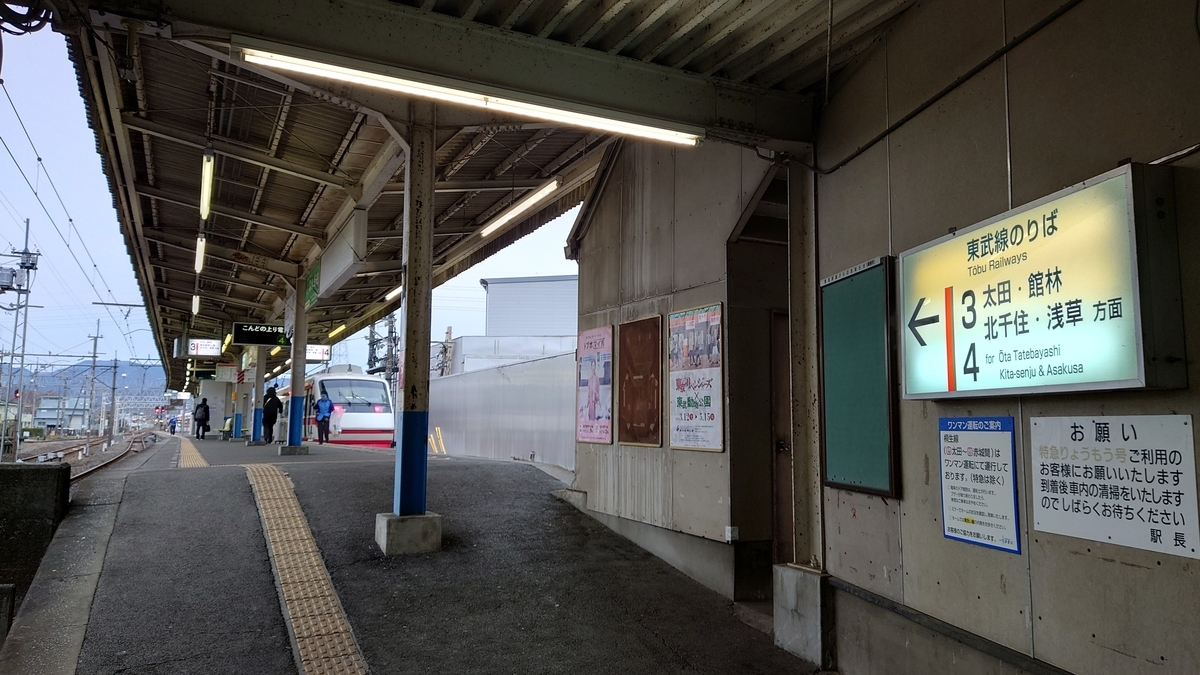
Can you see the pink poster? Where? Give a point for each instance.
(593, 397)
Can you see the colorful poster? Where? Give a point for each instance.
(697, 394)
(639, 366)
(593, 386)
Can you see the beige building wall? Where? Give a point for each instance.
(1107, 81)
(657, 244)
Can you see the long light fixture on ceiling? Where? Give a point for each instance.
(207, 168)
(521, 207)
(200, 242)
(337, 331)
(391, 295)
(467, 98)
(195, 304)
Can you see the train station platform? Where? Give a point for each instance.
(212, 557)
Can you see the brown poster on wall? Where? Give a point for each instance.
(639, 378)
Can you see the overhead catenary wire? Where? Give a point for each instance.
(64, 239)
(54, 187)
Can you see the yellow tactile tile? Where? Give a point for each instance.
(336, 664)
(189, 456)
(317, 624)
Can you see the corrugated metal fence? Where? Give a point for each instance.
(523, 411)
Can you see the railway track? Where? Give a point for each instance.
(139, 440)
(44, 454)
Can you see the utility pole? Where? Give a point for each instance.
(372, 346)
(20, 281)
(112, 412)
(62, 402)
(92, 386)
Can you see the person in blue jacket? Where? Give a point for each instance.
(324, 412)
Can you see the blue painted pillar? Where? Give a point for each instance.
(412, 417)
(260, 373)
(237, 424)
(295, 432)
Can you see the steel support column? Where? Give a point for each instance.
(260, 376)
(412, 419)
(296, 407)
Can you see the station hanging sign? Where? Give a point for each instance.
(317, 353)
(1127, 480)
(979, 482)
(261, 334)
(196, 348)
(1043, 298)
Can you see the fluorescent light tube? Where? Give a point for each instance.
(467, 98)
(195, 304)
(523, 205)
(276, 351)
(200, 241)
(337, 331)
(394, 292)
(206, 182)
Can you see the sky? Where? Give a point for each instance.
(84, 259)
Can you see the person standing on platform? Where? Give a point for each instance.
(324, 412)
(272, 406)
(174, 421)
(200, 416)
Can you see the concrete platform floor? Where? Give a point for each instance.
(524, 583)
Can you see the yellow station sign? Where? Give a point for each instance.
(1042, 298)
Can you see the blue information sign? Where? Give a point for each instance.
(979, 481)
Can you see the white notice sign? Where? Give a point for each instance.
(1125, 480)
(979, 486)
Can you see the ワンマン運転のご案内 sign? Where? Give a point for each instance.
(979, 481)
(1042, 298)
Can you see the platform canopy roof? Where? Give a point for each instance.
(297, 150)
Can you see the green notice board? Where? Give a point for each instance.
(858, 378)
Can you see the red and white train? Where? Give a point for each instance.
(362, 407)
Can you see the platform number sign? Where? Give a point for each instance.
(1042, 298)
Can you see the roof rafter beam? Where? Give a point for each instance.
(857, 31)
(502, 168)
(460, 160)
(814, 29)
(234, 150)
(641, 23)
(185, 269)
(596, 19)
(451, 186)
(281, 267)
(225, 300)
(679, 27)
(245, 216)
(390, 37)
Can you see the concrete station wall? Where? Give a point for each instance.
(516, 411)
(657, 244)
(1108, 80)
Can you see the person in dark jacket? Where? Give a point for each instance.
(200, 417)
(272, 407)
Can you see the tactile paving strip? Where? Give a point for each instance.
(317, 624)
(189, 456)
